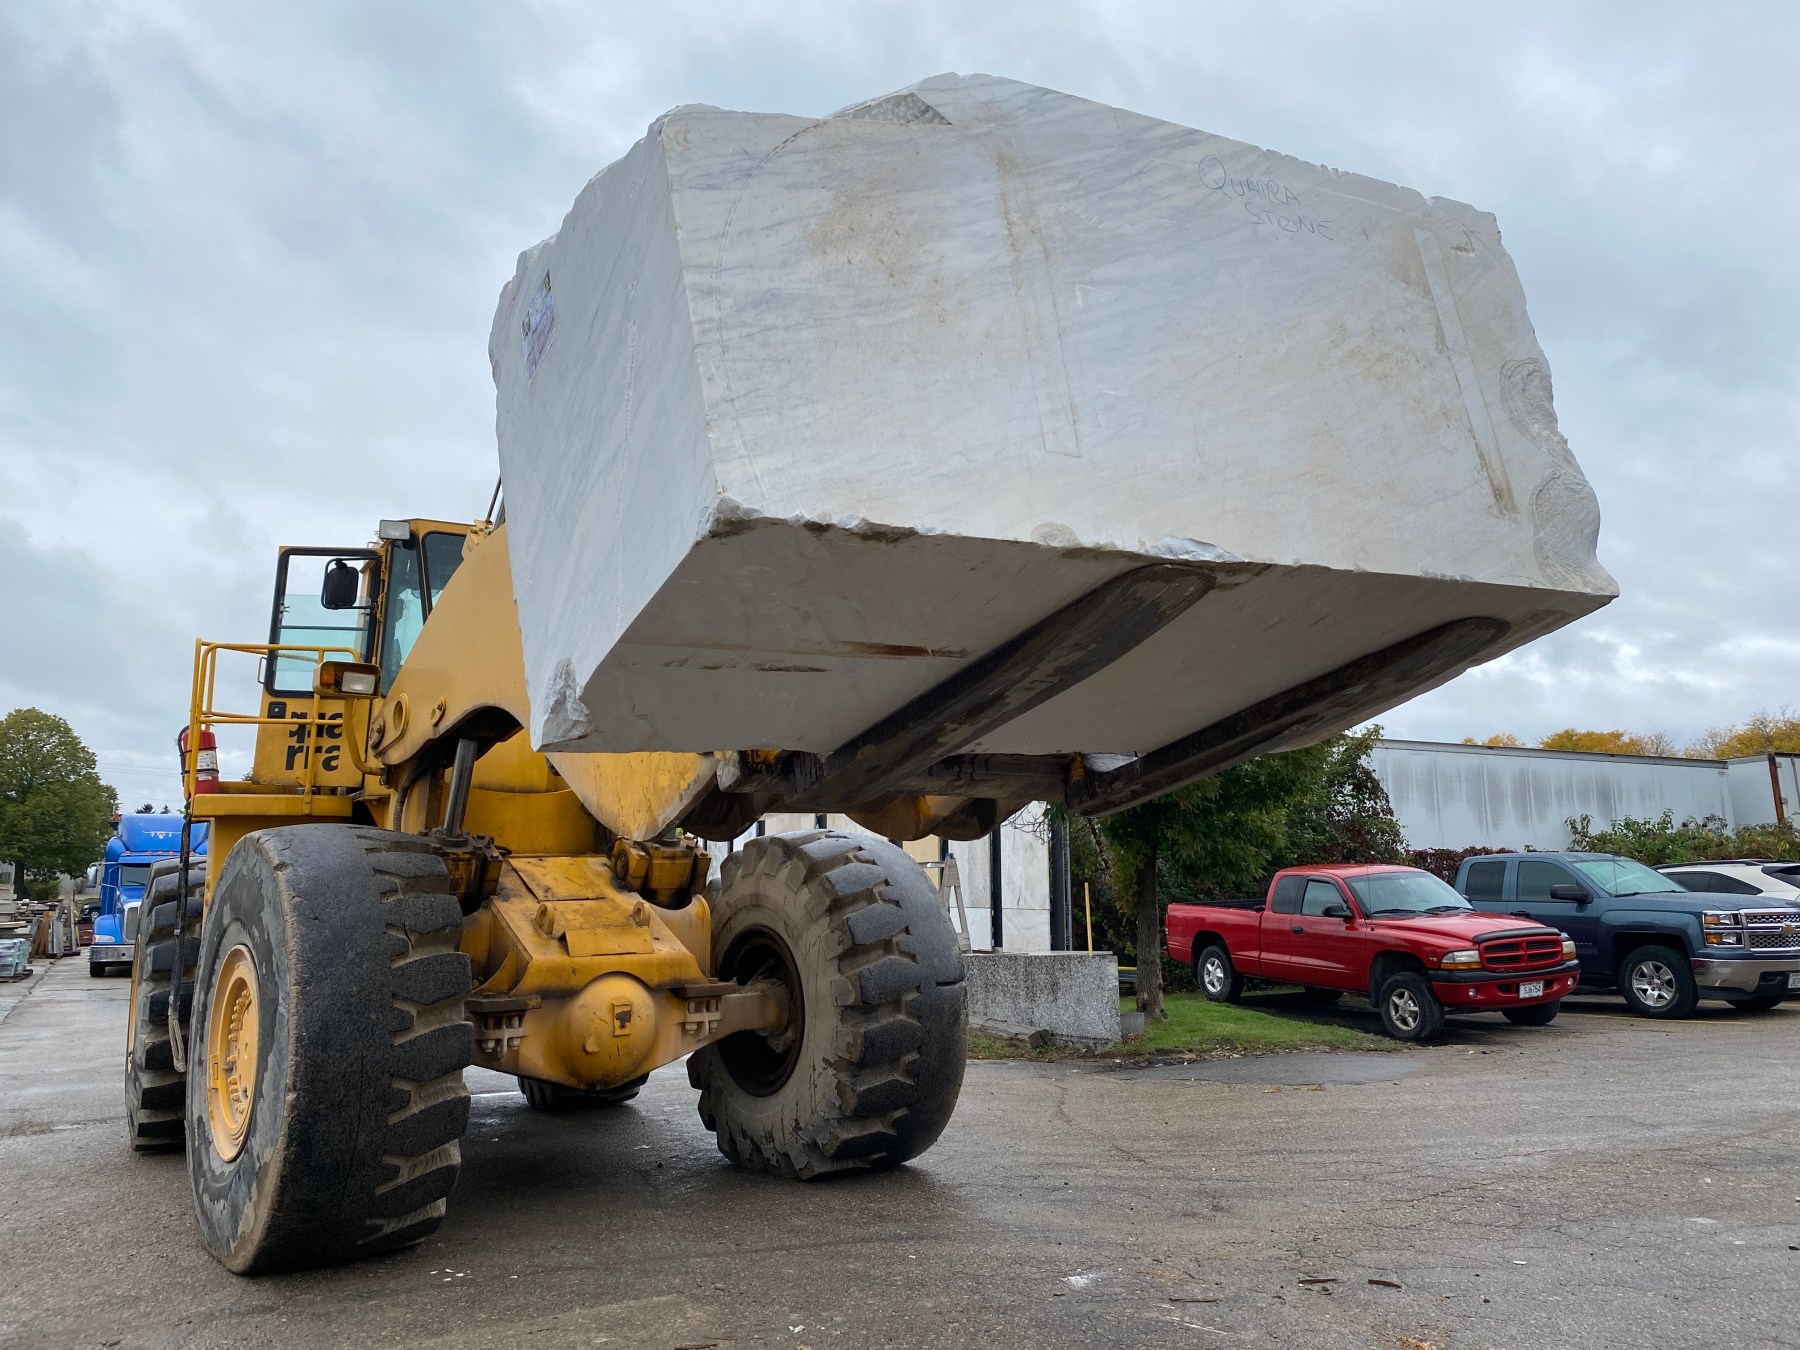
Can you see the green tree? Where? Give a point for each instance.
(55, 813)
(1344, 816)
(1226, 836)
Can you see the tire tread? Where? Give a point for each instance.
(385, 1023)
(898, 970)
(155, 1090)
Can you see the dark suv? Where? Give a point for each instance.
(1662, 948)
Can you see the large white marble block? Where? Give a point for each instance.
(799, 416)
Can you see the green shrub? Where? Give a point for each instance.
(1661, 841)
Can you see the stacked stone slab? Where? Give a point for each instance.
(798, 417)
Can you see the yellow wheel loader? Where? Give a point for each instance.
(915, 453)
(401, 888)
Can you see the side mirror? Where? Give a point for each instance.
(1569, 892)
(343, 583)
(1337, 912)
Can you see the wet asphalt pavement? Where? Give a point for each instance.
(1602, 1182)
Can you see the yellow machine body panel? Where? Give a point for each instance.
(517, 797)
(290, 738)
(469, 663)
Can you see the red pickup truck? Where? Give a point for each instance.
(1397, 934)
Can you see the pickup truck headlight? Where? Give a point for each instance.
(1469, 959)
(1723, 927)
(1568, 949)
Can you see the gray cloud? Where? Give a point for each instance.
(249, 256)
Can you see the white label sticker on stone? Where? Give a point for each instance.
(539, 327)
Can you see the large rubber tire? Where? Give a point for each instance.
(1657, 982)
(1537, 1015)
(552, 1098)
(155, 1086)
(1409, 1010)
(350, 1144)
(1216, 977)
(868, 1072)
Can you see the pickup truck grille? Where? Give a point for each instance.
(1773, 930)
(1522, 953)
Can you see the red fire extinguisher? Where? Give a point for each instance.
(206, 761)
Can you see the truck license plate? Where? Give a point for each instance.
(1532, 989)
(1794, 980)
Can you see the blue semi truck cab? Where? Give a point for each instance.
(140, 842)
(1663, 949)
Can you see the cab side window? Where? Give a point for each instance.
(420, 571)
(443, 555)
(1536, 878)
(405, 614)
(303, 618)
(1485, 880)
(1320, 895)
(1287, 895)
(1715, 882)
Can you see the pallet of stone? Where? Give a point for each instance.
(15, 955)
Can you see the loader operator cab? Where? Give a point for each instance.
(419, 567)
(337, 598)
(362, 605)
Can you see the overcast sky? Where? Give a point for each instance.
(249, 255)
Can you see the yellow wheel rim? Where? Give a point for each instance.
(232, 1025)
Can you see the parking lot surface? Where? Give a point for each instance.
(1605, 1181)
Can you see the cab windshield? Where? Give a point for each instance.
(418, 571)
(1391, 893)
(1622, 876)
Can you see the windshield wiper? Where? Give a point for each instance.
(1447, 909)
(1374, 912)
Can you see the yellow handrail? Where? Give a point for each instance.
(202, 716)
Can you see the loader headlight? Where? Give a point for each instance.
(1467, 959)
(347, 679)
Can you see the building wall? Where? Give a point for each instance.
(1024, 883)
(1465, 796)
(1753, 788)
(1024, 874)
